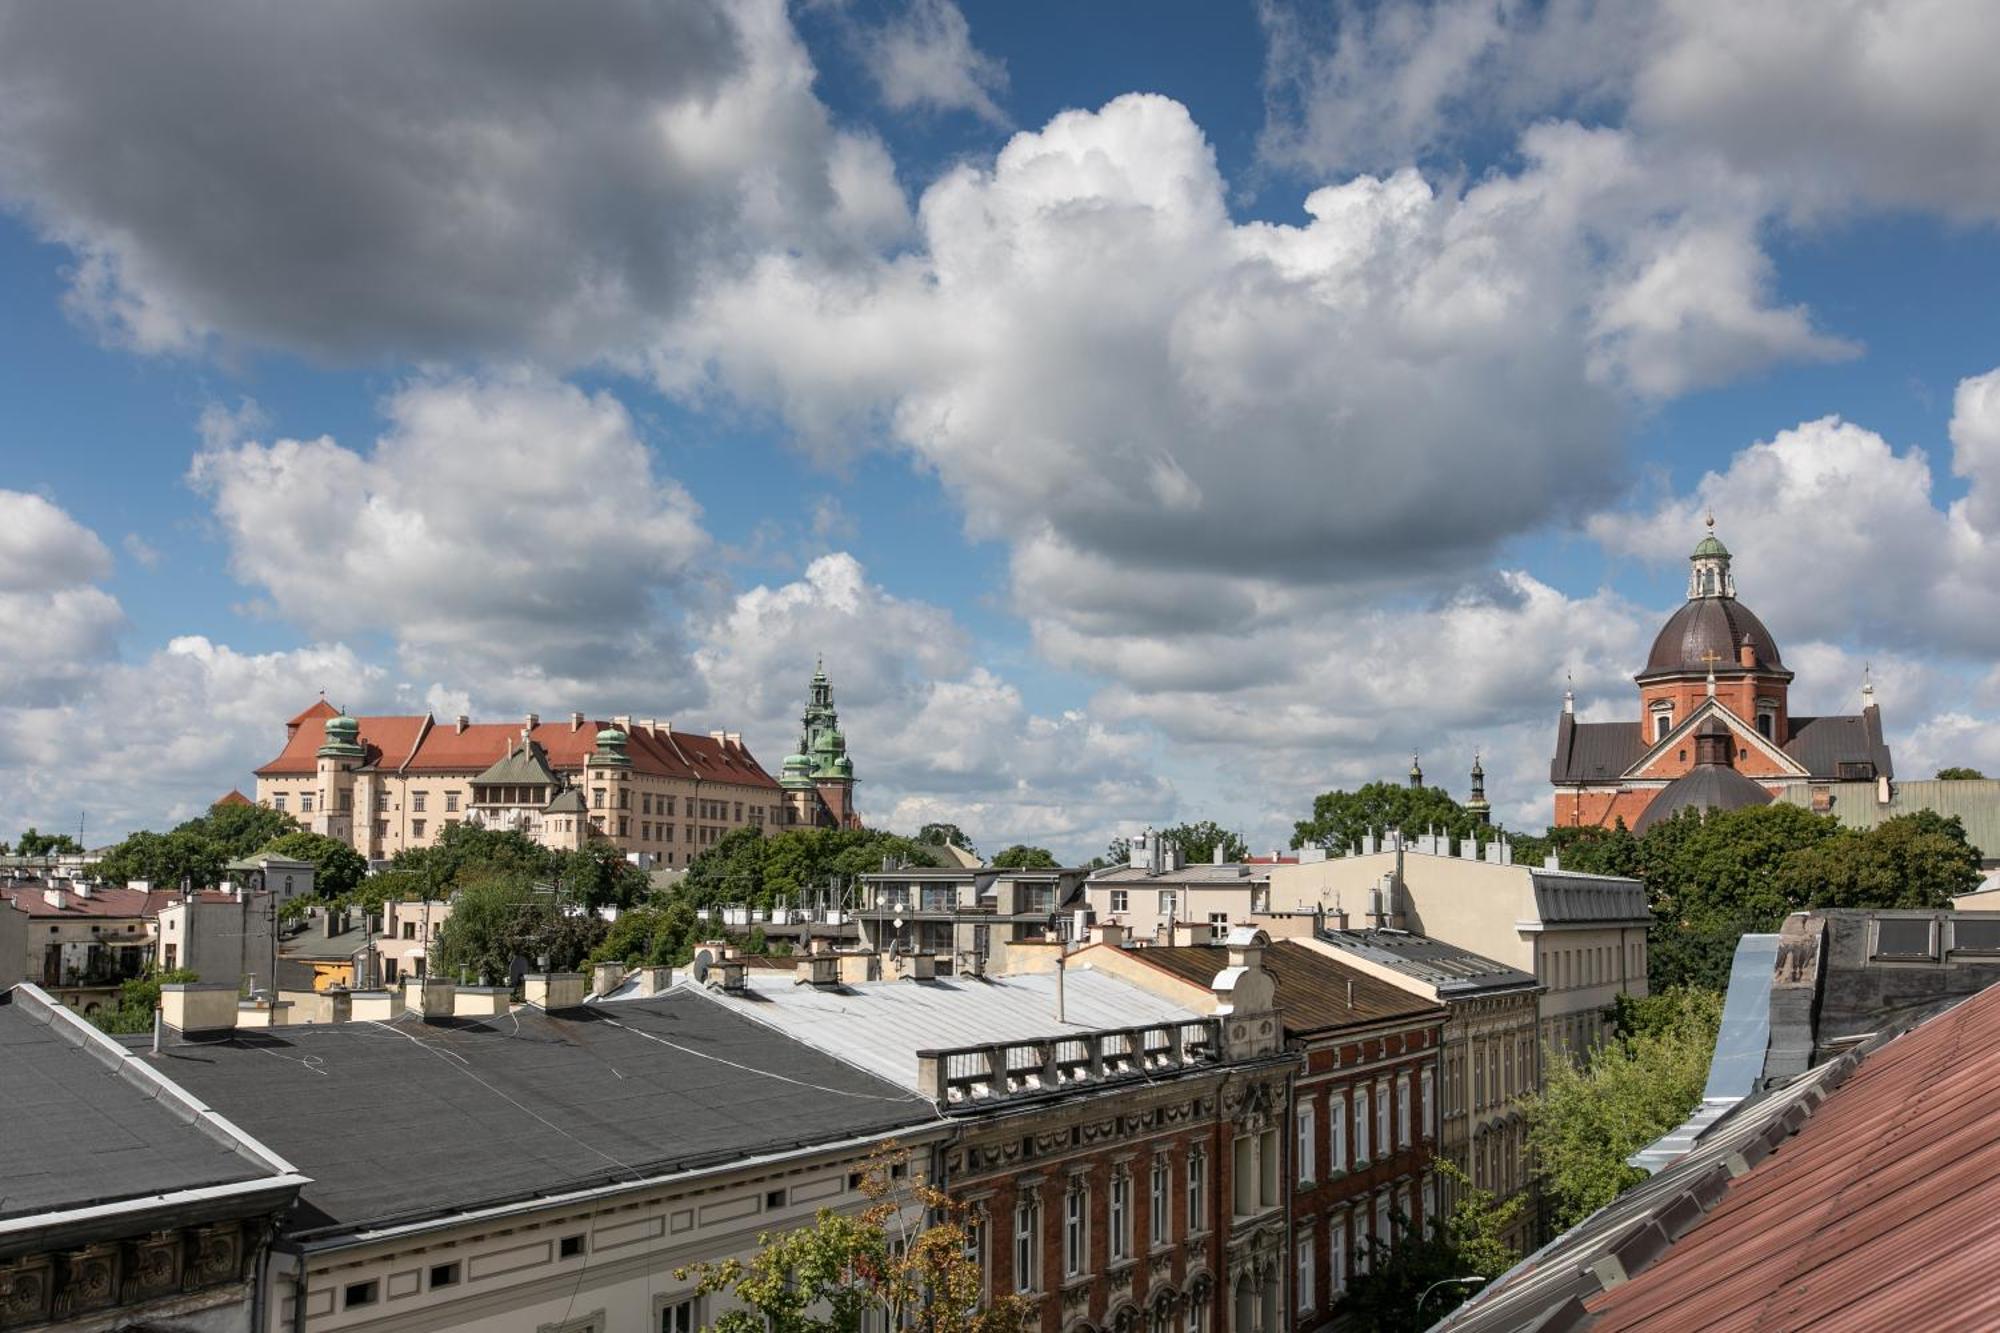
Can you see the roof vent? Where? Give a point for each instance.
(534, 720)
(576, 721)
(462, 723)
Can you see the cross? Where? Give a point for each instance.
(1711, 657)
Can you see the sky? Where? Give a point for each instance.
(1148, 412)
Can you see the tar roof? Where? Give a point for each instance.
(1878, 1213)
(881, 1025)
(1315, 993)
(1454, 971)
(85, 1129)
(402, 1121)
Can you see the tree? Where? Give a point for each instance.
(1022, 857)
(599, 876)
(464, 852)
(1960, 775)
(137, 999)
(241, 829)
(1340, 818)
(945, 835)
(901, 1262)
(165, 860)
(1915, 860)
(337, 868)
(500, 919)
(1409, 1285)
(1587, 847)
(1586, 1121)
(748, 867)
(1197, 842)
(664, 931)
(34, 843)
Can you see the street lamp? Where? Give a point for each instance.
(1470, 1281)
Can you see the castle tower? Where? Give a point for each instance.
(818, 778)
(1476, 803)
(336, 759)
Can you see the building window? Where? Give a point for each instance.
(1336, 1259)
(624, 826)
(1305, 1149)
(1663, 722)
(416, 828)
(1361, 1125)
(1027, 1242)
(451, 802)
(1197, 1182)
(305, 803)
(680, 1314)
(1267, 1169)
(1403, 1111)
(597, 798)
(1305, 1268)
(1381, 1230)
(1336, 1131)
(360, 1293)
(1076, 1229)
(1169, 900)
(444, 1275)
(409, 930)
(1427, 1110)
(1244, 1176)
(1382, 1116)
(1120, 900)
(381, 828)
(1121, 1214)
(1159, 1223)
(1361, 1255)
(1218, 924)
(569, 1247)
(278, 801)
(417, 800)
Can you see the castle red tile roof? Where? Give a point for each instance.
(234, 797)
(419, 744)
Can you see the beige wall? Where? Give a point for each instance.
(1144, 913)
(423, 920)
(511, 1277)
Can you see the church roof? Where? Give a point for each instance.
(1706, 625)
(1595, 751)
(1703, 787)
(1823, 744)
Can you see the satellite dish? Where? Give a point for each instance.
(702, 962)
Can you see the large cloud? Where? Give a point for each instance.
(59, 622)
(373, 179)
(935, 734)
(1829, 103)
(509, 532)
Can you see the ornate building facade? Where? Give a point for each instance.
(1715, 729)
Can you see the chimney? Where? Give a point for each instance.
(606, 977)
(553, 990)
(1217, 859)
(534, 720)
(1110, 934)
(623, 722)
(198, 1006)
(1552, 862)
(729, 974)
(53, 896)
(576, 721)
(649, 724)
(715, 736)
(462, 723)
(1746, 655)
(821, 971)
(920, 967)
(735, 739)
(81, 887)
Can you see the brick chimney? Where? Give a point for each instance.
(534, 720)
(576, 721)
(462, 723)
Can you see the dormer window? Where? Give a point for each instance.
(1663, 720)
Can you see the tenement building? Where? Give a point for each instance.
(1715, 727)
(386, 783)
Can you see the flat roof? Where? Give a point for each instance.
(879, 1026)
(411, 1120)
(84, 1129)
(1313, 992)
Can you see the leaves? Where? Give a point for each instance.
(1022, 857)
(903, 1257)
(1198, 841)
(337, 868)
(1341, 818)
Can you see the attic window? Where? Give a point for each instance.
(1912, 938)
(1856, 770)
(1975, 935)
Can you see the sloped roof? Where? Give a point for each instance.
(1877, 1214)
(1705, 625)
(1703, 787)
(1822, 744)
(1976, 804)
(1315, 993)
(520, 766)
(1594, 751)
(1571, 895)
(1455, 972)
(102, 902)
(388, 740)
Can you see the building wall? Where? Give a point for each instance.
(1144, 910)
(55, 950)
(14, 935)
(409, 929)
(217, 940)
(508, 1273)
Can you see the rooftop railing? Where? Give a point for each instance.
(977, 1075)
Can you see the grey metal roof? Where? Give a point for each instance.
(1594, 751)
(1976, 804)
(1564, 896)
(402, 1121)
(1705, 626)
(1736, 1068)
(83, 1130)
(1229, 872)
(1456, 973)
(880, 1026)
(1822, 744)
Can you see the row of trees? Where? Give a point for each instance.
(197, 852)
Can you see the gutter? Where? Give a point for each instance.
(181, 1207)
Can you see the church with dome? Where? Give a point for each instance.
(1715, 728)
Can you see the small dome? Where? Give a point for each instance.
(611, 737)
(797, 763)
(1703, 787)
(1710, 546)
(844, 766)
(1710, 625)
(343, 725)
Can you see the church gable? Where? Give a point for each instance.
(1674, 755)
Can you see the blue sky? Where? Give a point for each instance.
(629, 362)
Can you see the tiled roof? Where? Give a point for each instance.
(1877, 1214)
(1594, 751)
(1315, 993)
(416, 744)
(102, 902)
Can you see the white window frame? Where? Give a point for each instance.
(1076, 1229)
(1381, 1225)
(1336, 1268)
(1336, 1134)
(1303, 1260)
(1027, 1243)
(1161, 1219)
(1120, 1216)
(1382, 1116)
(1305, 1152)
(1403, 1135)
(1197, 1191)
(1121, 900)
(1427, 1112)
(1361, 1143)
(687, 1303)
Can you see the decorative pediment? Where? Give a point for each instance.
(1747, 737)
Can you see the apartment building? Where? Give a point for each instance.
(79, 942)
(960, 914)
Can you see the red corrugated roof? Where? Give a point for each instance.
(1883, 1211)
(418, 745)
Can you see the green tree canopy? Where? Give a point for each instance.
(1587, 1121)
(500, 918)
(1023, 857)
(35, 843)
(945, 835)
(137, 999)
(748, 867)
(1198, 841)
(599, 876)
(464, 852)
(663, 931)
(165, 860)
(337, 868)
(1956, 774)
(1340, 818)
(240, 830)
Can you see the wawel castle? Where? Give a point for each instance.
(385, 783)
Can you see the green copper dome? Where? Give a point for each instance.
(1709, 546)
(611, 737)
(343, 738)
(343, 725)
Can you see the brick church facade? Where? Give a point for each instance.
(1715, 728)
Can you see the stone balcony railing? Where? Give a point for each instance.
(975, 1075)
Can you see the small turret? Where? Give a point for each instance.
(343, 739)
(1416, 772)
(1476, 804)
(610, 751)
(1708, 567)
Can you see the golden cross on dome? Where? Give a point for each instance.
(1711, 657)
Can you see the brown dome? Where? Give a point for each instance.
(1703, 787)
(1706, 625)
